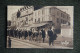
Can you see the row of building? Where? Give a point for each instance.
(27, 18)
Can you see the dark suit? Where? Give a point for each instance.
(30, 33)
(11, 32)
(26, 34)
(19, 34)
(9, 42)
(52, 36)
(43, 35)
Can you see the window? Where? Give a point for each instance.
(61, 15)
(38, 12)
(61, 21)
(65, 22)
(57, 20)
(50, 10)
(35, 14)
(57, 13)
(42, 18)
(43, 12)
(53, 15)
(35, 20)
(39, 20)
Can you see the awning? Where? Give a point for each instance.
(11, 27)
(27, 27)
(38, 25)
(24, 28)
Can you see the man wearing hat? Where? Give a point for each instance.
(51, 35)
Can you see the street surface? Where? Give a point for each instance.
(21, 43)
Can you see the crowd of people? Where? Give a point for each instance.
(33, 35)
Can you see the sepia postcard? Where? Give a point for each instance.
(40, 27)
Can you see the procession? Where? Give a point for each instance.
(33, 35)
(39, 27)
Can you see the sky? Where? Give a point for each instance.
(11, 10)
(67, 9)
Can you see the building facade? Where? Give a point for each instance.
(50, 14)
(64, 28)
(24, 16)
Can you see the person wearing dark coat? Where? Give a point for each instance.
(36, 34)
(39, 33)
(11, 32)
(30, 33)
(43, 34)
(8, 32)
(33, 36)
(19, 34)
(52, 36)
(15, 33)
(22, 33)
(9, 42)
(26, 34)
